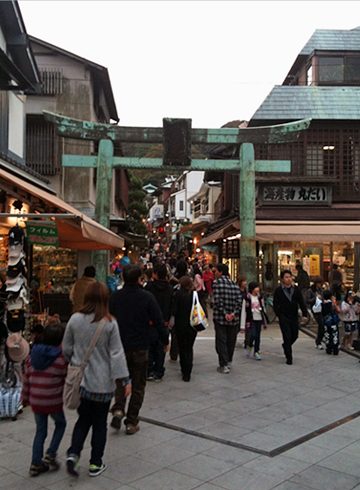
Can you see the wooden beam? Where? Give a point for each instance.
(74, 128)
(157, 164)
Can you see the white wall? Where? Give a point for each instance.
(16, 124)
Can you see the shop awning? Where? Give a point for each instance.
(223, 232)
(308, 231)
(81, 233)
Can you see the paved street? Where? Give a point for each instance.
(264, 405)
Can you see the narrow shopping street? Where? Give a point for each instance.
(242, 426)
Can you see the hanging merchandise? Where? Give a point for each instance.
(16, 283)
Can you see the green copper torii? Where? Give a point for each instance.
(246, 165)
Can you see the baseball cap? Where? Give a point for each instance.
(14, 270)
(15, 254)
(15, 320)
(16, 235)
(14, 284)
(18, 347)
(18, 303)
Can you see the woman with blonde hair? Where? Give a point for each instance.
(106, 364)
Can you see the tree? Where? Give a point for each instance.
(136, 208)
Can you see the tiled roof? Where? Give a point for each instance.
(333, 40)
(287, 102)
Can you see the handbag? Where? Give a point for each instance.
(71, 394)
(317, 306)
(198, 319)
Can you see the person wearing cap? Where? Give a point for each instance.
(42, 389)
(77, 293)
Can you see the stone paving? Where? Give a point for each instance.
(260, 404)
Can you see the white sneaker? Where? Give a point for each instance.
(351, 347)
(223, 370)
(229, 365)
(320, 347)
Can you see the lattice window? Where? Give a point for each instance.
(51, 80)
(42, 147)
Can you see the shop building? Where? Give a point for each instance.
(311, 215)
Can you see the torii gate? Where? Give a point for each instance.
(177, 137)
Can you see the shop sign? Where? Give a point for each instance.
(295, 194)
(157, 212)
(231, 249)
(314, 265)
(42, 233)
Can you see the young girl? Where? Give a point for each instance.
(255, 317)
(331, 320)
(351, 317)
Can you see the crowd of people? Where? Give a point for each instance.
(137, 322)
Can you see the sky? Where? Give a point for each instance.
(210, 61)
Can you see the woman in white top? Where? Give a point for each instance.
(255, 317)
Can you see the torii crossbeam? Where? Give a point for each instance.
(246, 165)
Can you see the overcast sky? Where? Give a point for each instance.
(212, 62)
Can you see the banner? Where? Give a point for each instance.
(314, 265)
(42, 233)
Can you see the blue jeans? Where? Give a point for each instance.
(41, 420)
(255, 331)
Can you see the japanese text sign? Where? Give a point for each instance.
(296, 194)
(42, 232)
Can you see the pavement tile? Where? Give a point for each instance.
(290, 485)
(330, 441)
(166, 479)
(309, 453)
(128, 469)
(193, 421)
(84, 482)
(164, 454)
(202, 467)
(230, 454)
(193, 443)
(245, 479)
(281, 466)
(344, 461)
(324, 478)
(12, 481)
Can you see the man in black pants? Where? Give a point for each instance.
(287, 300)
(134, 309)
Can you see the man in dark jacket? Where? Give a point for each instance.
(287, 300)
(164, 294)
(134, 309)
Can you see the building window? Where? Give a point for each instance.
(51, 80)
(197, 208)
(43, 152)
(309, 76)
(181, 204)
(331, 69)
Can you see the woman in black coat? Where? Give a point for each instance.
(185, 333)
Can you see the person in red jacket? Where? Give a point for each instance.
(42, 388)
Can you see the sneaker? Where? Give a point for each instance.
(257, 356)
(223, 370)
(229, 365)
(132, 429)
(50, 461)
(320, 347)
(150, 377)
(117, 418)
(36, 470)
(96, 470)
(186, 378)
(289, 362)
(248, 351)
(72, 464)
(172, 360)
(351, 347)
(157, 379)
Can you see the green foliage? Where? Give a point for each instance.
(136, 208)
(137, 195)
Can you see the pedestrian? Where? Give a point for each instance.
(77, 293)
(227, 305)
(208, 278)
(255, 318)
(199, 284)
(186, 334)
(302, 279)
(107, 364)
(242, 283)
(134, 308)
(181, 271)
(164, 294)
(148, 276)
(314, 293)
(336, 282)
(331, 322)
(42, 388)
(287, 300)
(350, 311)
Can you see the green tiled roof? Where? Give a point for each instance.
(333, 40)
(291, 102)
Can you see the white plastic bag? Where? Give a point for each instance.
(198, 318)
(317, 306)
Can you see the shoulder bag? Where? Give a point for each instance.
(71, 394)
